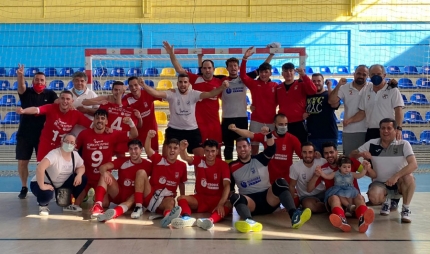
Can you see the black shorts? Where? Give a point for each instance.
(24, 148)
(228, 136)
(193, 137)
(261, 205)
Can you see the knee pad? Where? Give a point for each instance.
(237, 199)
(280, 185)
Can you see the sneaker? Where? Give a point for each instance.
(365, 220)
(137, 212)
(339, 222)
(174, 213)
(90, 195)
(248, 225)
(394, 204)
(182, 222)
(72, 208)
(23, 193)
(43, 210)
(406, 215)
(350, 211)
(96, 211)
(108, 215)
(205, 224)
(300, 217)
(385, 209)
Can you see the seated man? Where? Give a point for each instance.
(212, 187)
(168, 173)
(394, 162)
(119, 191)
(256, 195)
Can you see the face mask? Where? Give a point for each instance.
(38, 87)
(67, 147)
(281, 130)
(376, 80)
(79, 92)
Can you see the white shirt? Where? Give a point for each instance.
(59, 169)
(351, 99)
(77, 102)
(302, 174)
(183, 109)
(379, 105)
(234, 99)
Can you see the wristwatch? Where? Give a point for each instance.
(399, 128)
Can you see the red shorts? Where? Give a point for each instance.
(206, 203)
(121, 197)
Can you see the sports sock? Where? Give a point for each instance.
(360, 211)
(138, 198)
(287, 200)
(338, 211)
(120, 210)
(405, 206)
(166, 212)
(243, 211)
(100, 193)
(186, 210)
(215, 217)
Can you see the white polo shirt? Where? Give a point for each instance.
(351, 99)
(379, 105)
(302, 174)
(183, 109)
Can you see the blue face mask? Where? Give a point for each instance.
(376, 80)
(79, 92)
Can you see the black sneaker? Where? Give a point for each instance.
(23, 193)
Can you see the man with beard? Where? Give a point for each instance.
(321, 120)
(182, 105)
(354, 134)
(379, 101)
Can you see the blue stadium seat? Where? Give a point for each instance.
(4, 85)
(8, 100)
(150, 72)
(325, 70)
(425, 137)
(126, 82)
(2, 72)
(12, 140)
(134, 72)
(100, 72)
(82, 69)
(248, 101)
(150, 83)
(69, 85)
(342, 70)
(425, 69)
(66, 72)
(405, 100)
(349, 80)
(29, 72)
(419, 99)
(96, 85)
(428, 116)
(277, 81)
(413, 117)
(275, 72)
(57, 85)
(50, 72)
(337, 119)
(3, 137)
(341, 102)
(10, 118)
(12, 72)
(18, 103)
(196, 70)
(15, 85)
(423, 83)
(410, 137)
(339, 137)
(108, 85)
(394, 70)
(309, 70)
(249, 116)
(411, 70)
(117, 72)
(333, 82)
(406, 83)
(342, 115)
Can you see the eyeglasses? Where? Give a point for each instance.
(69, 142)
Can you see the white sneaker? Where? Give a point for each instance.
(43, 210)
(406, 215)
(205, 223)
(182, 222)
(72, 208)
(137, 212)
(174, 213)
(108, 215)
(385, 209)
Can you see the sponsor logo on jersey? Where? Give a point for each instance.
(96, 171)
(162, 180)
(128, 182)
(304, 176)
(251, 182)
(176, 174)
(215, 176)
(203, 182)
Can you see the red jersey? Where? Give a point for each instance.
(166, 175)
(56, 125)
(279, 165)
(292, 103)
(263, 97)
(97, 149)
(209, 179)
(127, 172)
(356, 165)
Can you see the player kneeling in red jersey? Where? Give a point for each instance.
(119, 191)
(158, 193)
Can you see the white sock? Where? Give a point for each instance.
(405, 207)
(124, 208)
(99, 203)
(138, 205)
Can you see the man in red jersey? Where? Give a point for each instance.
(263, 96)
(291, 97)
(119, 191)
(60, 119)
(144, 103)
(116, 112)
(207, 110)
(98, 145)
(168, 173)
(212, 188)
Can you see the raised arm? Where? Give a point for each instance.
(243, 76)
(183, 145)
(241, 132)
(333, 97)
(173, 59)
(99, 100)
(308, 85)
(133, 130)
(216, 91)
(21, 79)
(151, 91)
(148, 149)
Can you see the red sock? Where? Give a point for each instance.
(138, 198)
(100, 194)
(338, 211)
(215, 216)
(183, 203)
(360, 211)
(166, 212)
(118, 211)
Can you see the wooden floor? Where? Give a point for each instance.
(22, 230)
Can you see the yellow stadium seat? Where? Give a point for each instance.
(160, 137)
(161, 117)
(161, 103)
(164, 84)
(168, 72)
(221, 71)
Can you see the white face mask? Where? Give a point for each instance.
(67, 147)
(281, 130)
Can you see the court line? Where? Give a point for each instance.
(85, 247)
